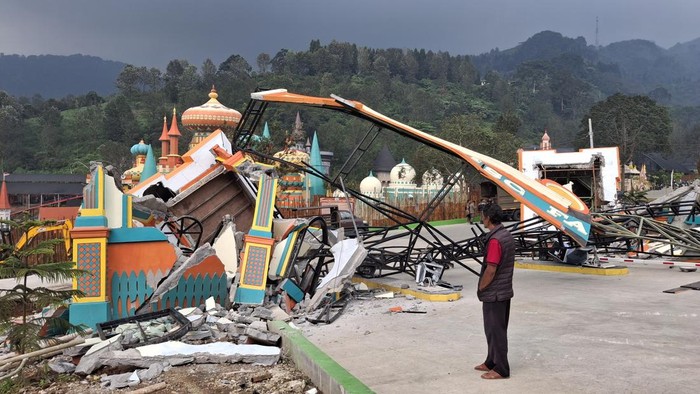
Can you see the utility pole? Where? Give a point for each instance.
(590, 131)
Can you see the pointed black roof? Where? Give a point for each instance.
(384, 161)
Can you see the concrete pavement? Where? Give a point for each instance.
(568, 333)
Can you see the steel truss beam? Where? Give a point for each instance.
(611, 232)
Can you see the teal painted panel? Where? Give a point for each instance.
(261, 234)
(136, 234)
(249, 296)
(89, 313)
(130, 286)
(293, 290)
(693, 220)
(133, 287)
(196, 290)
(91, 221)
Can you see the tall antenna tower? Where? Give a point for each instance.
(596, 32)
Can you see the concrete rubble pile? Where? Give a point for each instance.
(297, 285)
(215, 335)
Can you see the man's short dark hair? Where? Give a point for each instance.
(494, 213)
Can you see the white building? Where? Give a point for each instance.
(592, 174)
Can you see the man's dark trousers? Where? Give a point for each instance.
(496, 316)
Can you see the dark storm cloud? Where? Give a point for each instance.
(151, 32)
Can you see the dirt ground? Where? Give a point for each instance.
(282, 378)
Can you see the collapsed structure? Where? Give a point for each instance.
(147, 249)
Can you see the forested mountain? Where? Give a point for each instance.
(542, 46)
(493, 103)
(54, 76)
(671, 76)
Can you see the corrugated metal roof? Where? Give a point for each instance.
(668, 164)
(45, 183)
(58, 213)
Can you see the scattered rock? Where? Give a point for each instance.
(260, 377)
(91, 361)
(151, 373)
(258, 325)
(128, 379)
(262, 313)
(262, 337)
(60, 366)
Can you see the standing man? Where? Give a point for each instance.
(495, 292)
(470, 211)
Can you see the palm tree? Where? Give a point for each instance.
(17, 304)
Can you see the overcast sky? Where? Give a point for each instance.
(152, 32)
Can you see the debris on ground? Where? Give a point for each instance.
(135, 352)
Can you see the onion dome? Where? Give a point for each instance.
(140, 149)
(371, 185)
(402, 173)
(211, 116)
(432, 179)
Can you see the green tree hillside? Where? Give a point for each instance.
(636, 124)
(541, 88)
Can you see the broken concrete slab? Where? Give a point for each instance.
(348, 255)
(60, 366)
(103, 344)
(190, 311)
(196, 321)
(218, 352)
(279, 314)
(118, 381)
(152, 203)
(132, 358)
(258, 325)
(92, 359)
(226, 248)
(225, 324)
(202, 334)
(263, 313)
(210, 304)
(262, 337)
(179, 269)
(151, 373)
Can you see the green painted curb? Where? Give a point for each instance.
(348, 382)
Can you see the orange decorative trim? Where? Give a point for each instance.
(89, 232)
(258, 240)
(229, 161)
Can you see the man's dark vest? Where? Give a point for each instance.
(501, 288)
